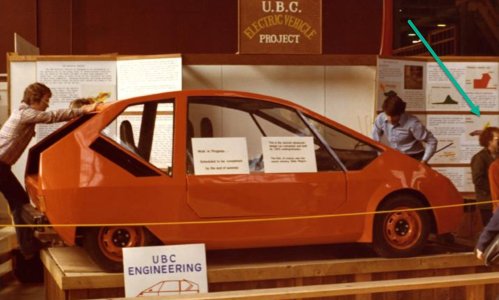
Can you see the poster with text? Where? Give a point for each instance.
(460, 177)
(405, 78)
(482, 85)
(442, 95)
(69, 80)
(458, 135)
(165, 270)
(477, 79)
(139, 77)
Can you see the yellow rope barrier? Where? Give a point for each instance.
(271, 219)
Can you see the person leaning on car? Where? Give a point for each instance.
(15, 136)
(480, 163)
(404, 132)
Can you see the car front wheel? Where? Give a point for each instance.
(399, 230)
(104, 244)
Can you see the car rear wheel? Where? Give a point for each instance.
(104, 244)
(401, 232)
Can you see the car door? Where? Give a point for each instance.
(222, 124)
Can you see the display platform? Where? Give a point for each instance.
(70, 274)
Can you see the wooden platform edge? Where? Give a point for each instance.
(53, 269)
(5, 268)
(76, 277)
(289, 270)
(77, 280)
(8, 242)
(475, 281)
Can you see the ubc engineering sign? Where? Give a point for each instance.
(280, 27)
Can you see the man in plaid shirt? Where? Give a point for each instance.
(15, 136)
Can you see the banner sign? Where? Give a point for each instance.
(280, 27)
(165, 270)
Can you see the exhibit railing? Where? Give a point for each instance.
(443, 41)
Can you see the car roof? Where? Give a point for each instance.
(208, 95)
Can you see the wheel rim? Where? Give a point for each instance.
(403, 229)
(113, 239)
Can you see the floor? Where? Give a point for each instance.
(12, 290)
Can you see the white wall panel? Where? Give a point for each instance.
(301, 84)
(350, 94)
(201, 77)
(343, 93)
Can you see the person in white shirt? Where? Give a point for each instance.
(404, 131)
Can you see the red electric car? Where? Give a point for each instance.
(231, 170)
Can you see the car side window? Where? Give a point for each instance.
(252, 120)
(354, 153)
(146, 130)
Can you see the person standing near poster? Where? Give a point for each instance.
(480, 163)
(404, 131)
(491, 228)
(15, 136)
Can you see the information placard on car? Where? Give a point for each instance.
(220, 156)
(288, 154)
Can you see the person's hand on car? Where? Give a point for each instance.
(88, 108)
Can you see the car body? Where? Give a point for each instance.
(140, 171)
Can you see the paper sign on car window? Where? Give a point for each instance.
(288, 154)
(220, 156)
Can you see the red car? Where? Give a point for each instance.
(231, 170)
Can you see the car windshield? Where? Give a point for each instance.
(268, 130)
(354, 153)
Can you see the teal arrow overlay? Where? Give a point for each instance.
(474, 108)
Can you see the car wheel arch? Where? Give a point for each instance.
(421, 197)
(151, 237)
(380, 197)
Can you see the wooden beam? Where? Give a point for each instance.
(474, 281)
(278, 59)
(73, 269)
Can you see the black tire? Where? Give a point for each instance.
(104, 244)
(401, 234)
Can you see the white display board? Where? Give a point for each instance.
(460, 176)
(431, 95)
(328, 90)
(4, 107)
(460, 130)
(70, 80)
(478, 79)
(137, 77)
(425, 87)
(71, 77)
